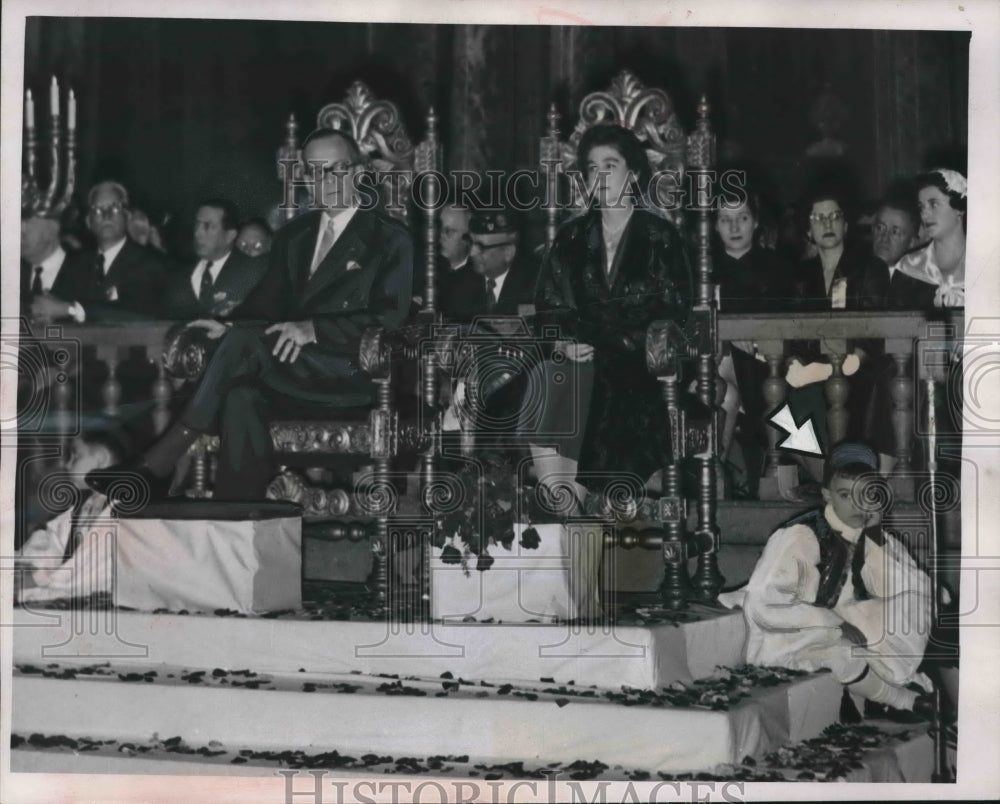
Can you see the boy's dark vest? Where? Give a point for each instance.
(837, 557)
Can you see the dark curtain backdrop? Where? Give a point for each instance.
(179, 109)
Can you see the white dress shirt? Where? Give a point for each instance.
(499, 280)
(215, 270)
(76, 311)
(50, 269)
(339, 224)
(111, 254)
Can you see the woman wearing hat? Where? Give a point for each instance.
(938, 269)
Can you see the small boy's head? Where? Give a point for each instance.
(94, 450)
(848, 470)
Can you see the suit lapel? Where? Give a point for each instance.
(349, 247)
(300, 253)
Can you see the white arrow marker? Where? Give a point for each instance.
(799, 439)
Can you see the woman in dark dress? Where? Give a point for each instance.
(610, 273)
(599, 422)
(751, 279)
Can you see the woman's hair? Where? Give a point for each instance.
(623, 141)
(935, 178)
(750, 199)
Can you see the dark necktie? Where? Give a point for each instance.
(99, 273)
(205, 292)
(36, 283)
(491, 295)
(75, 534)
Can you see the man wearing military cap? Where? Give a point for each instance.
(495, 281)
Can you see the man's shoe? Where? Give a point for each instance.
(921, 712)
(129, 486)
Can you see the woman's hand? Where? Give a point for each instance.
(577, 352)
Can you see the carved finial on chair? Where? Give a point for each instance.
(553, 118)
(288, 154)
(701, 143)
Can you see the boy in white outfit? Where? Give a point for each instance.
(833, 590)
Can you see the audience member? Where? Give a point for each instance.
(119, 280)
(43, 259)
(751, 279)
(895, 226)
(934, 276)
(223, 276)
(494, 280)
(454, 241)
(255, 238)
(838, 277)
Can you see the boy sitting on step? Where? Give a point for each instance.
(60, 559)
(833, 590)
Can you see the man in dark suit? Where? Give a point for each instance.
(332, 274)
(223, 276)
(495, 281)
(42, 259)
(119, 280)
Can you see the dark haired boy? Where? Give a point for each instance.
(50, 553)
(833, 590)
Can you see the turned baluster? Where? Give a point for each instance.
(836, 388)
(775, 391)
(161, 398)
(111, 389)
(901, 389)
(199, 460)
(62, 394)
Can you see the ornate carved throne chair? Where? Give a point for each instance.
(679, 161)
(309, 449)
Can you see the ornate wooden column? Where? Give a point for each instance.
(550, 162)
(701, 158)
(662, 360)
(428, 160)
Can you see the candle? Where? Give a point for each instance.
(54, 97)
(71, 122)
(29, 110)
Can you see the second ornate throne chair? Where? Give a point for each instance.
(681, 165)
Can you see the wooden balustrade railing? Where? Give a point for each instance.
(906, 335)
(110, 345)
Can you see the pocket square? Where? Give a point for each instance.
(353, 266)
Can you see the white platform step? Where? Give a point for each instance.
(648, 656)
(361, 714)
(907, 757)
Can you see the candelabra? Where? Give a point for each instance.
(37, 199)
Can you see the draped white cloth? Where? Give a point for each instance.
(249, 566)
